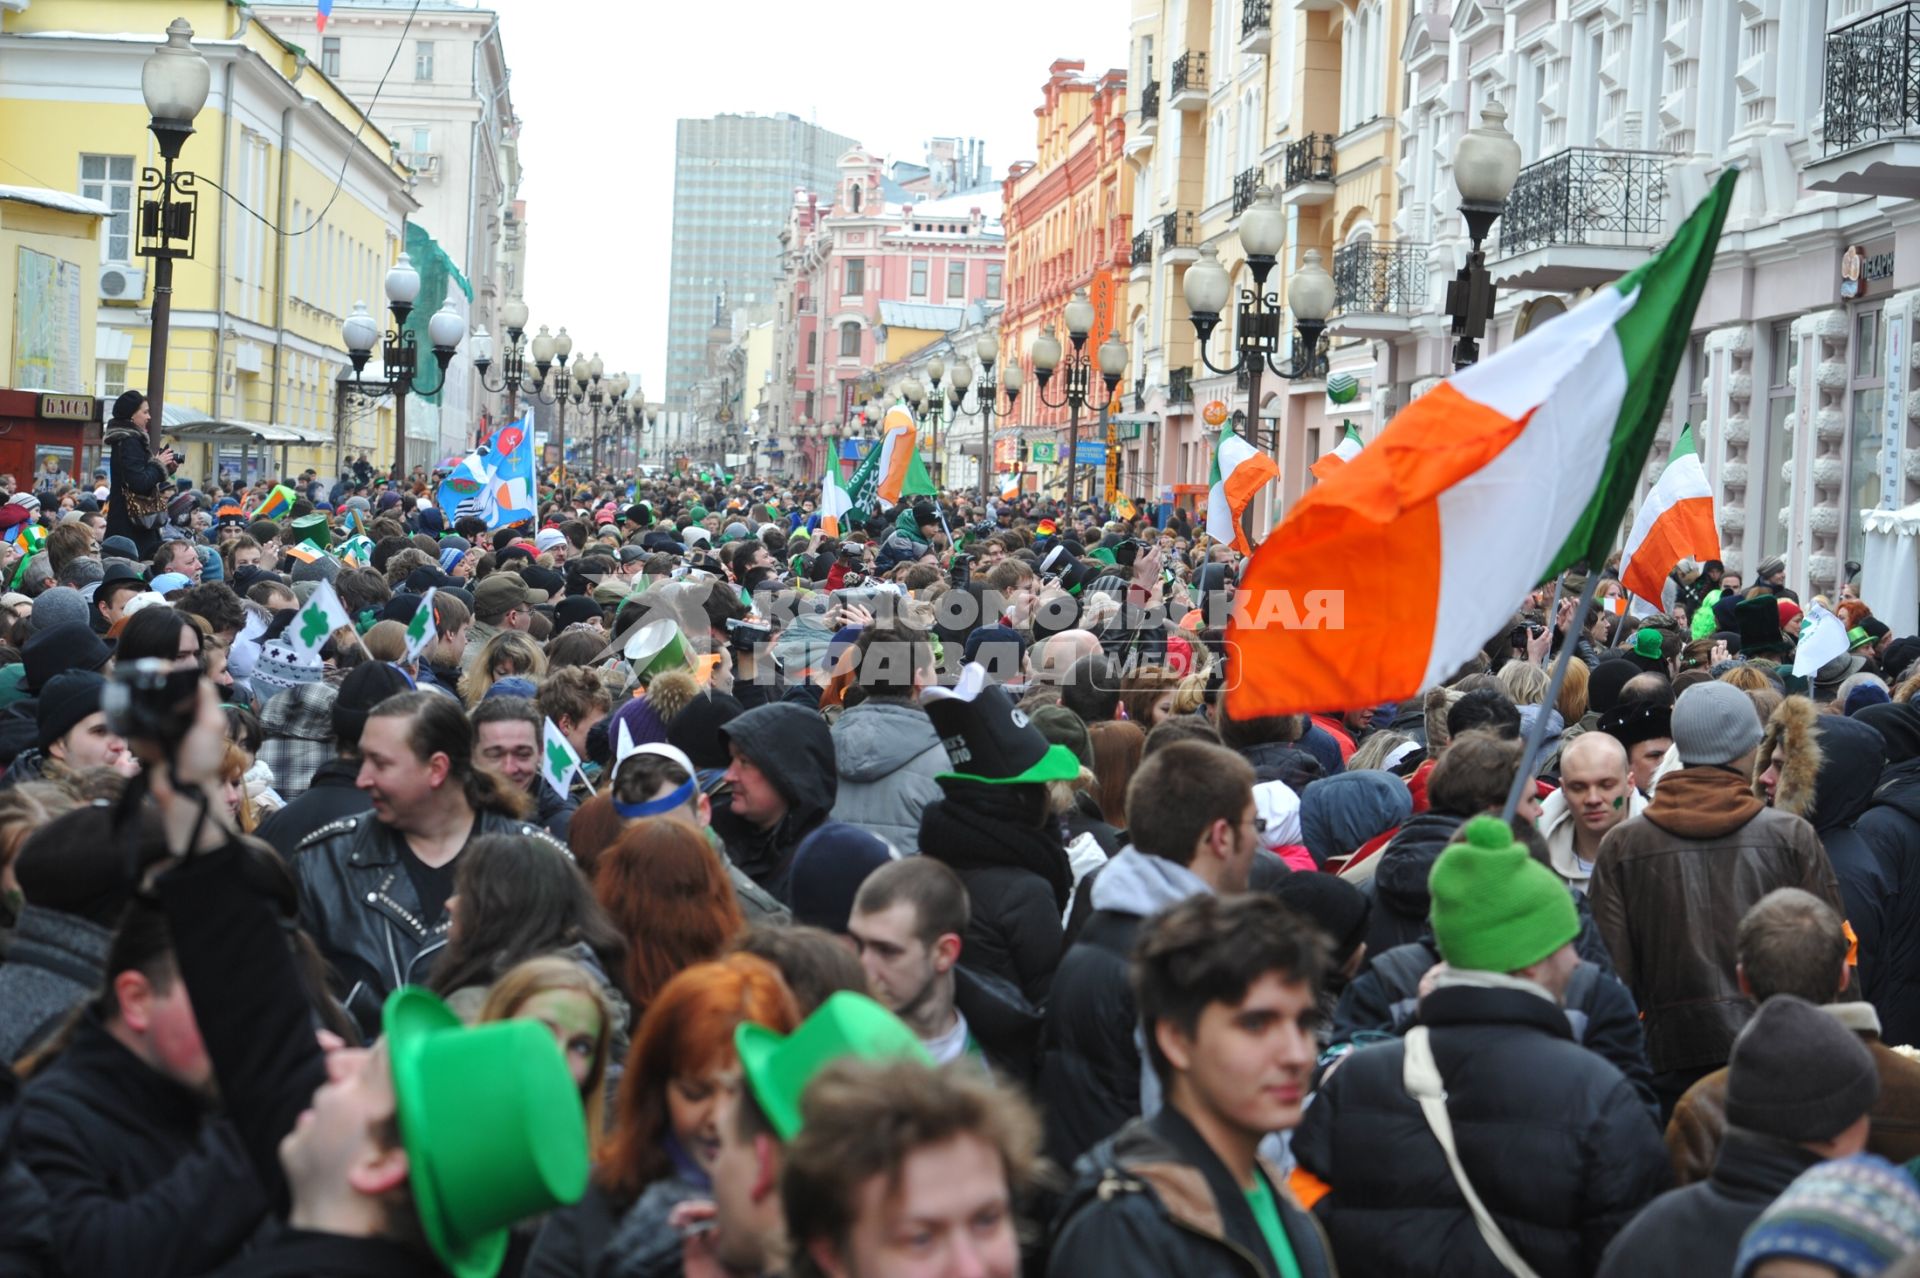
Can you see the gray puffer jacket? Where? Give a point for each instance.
(887, 754)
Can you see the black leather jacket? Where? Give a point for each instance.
(357, 902)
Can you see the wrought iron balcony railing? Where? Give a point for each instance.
(1245, 183)
(1374, 278)
(1150, 100)
(1589, 196)
(1255, 15)
(1189, 72)
(1176, 230)
(1180, 385)
(1310, 159)
(1143, 248)
(1873, 79)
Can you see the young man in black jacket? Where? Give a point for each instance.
(1225, 989)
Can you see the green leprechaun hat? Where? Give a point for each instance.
(779, 1067)
(491, 1122)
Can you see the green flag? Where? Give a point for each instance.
(421, 630)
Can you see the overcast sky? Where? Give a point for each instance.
(598, 87)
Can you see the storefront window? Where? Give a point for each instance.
(1864, 429)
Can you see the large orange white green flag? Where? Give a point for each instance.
(1675, 521)
(898, 439)
(834, 501)
(1345, 451)
(1393, 571)
(1239, 471)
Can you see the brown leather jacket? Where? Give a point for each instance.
(1700, 1119)
(1668, 891)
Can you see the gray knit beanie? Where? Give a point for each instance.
(1798, 1074)
(1714, 724)
(59, 604)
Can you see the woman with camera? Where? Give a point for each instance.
(137, 493)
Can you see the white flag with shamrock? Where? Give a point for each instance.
(421, 630)
(558, 762)
(317, 620)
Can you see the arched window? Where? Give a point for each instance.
(853, 196)
(850, 339)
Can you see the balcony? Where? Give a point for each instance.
(1187, 83)
(1245, 184)
(1177, 242)
(1872, 107)
(1180, 385)
(1143, 248)
(1309, 172)
(1378, 288)
(1149, 114)
(1580, 218)
(1256, 26)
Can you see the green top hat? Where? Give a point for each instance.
(1858, 638)
(656, 647)
(492, 1124)
(779, 1068)
(313, 528)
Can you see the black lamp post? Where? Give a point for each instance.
(174, 80)
(1486, 160)
(513, 370)
(1046, 357)
(986, 400)
(1310, 293)
(400, 349)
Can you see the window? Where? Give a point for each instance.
(917, 278)
(853, 197)
(807, 411)
(109, 179)
(856, 282)
(813, 346)
(994, 270)
(330, 55)
(1865, 426)
(1784, 354)
(422, 141)
(112, 377)
(849, 340)
(956, 281)
(423, 60)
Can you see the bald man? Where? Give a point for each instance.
(1596, 793)
(1048, 662)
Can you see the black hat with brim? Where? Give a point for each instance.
(990, 740)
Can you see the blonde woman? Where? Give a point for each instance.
(507, 654)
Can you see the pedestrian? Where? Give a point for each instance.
(886, 751)
(509, 739)
(1851, 1216)
(1891, 824)
(664, 891)
(1596, 794)
(783, 782)
(1671, 884)
(333, 792)
(136, 496)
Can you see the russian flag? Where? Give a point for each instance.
(320, 19)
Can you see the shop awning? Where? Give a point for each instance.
(190, 426)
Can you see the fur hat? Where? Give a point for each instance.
(1434, 706)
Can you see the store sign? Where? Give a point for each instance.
(1859, 270)
(1046, 452)
(68, 408)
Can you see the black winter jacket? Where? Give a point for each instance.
(1090, 1066)
(330, 796)
(1155, 1200)
(358, 903)
(1696, 1230)
(140, 1179)
(26, 1241)
(132, 467)
(1555, 1140)
(794, 748)
(1891, 828)
(1399, 883)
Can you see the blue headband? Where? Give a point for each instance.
(678, 797)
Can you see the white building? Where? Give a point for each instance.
(447, 106)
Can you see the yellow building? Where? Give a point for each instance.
(302, 207)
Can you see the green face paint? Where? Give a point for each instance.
(1619, 801)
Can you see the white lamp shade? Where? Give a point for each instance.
(955, 393)
(962, 374)
(1310, 291)
(482, 346)
(595, 367)
(358, 331)
(937, 369)
(446, 328)
(1013, 376)
(1206, 286)
(1263, 227)
(916, 393)
(175, 78)
(513, 314)
(1045, 353)
(543, 346)
(562, 344)
(1113, 358)
(1486, 159)
(403, 282)
(581, 373)
(987, 348)
(1079, 316)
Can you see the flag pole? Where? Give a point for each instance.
(1537, 734)
(1553, 605)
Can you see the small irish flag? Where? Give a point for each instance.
(834, 501)
(318, 619)
(1239, 471)
(1675, 521)
(1388, 575)
(558, 762)
(1345, 451)
(897, 443)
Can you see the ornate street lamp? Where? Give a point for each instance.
(174, 80)
(1047, 356)
(986, 349)
(400, 349)
(1486, 160)
(513, 317)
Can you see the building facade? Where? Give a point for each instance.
(448, 108)
(733, 184)
(256, 377)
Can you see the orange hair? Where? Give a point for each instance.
(664, 887)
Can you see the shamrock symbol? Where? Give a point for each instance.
(559, 760)
(417, 628)
(313, 627)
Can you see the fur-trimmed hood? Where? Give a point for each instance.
(1434, 706)
(1829, 764)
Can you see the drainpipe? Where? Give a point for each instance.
(220, 255)
(280, 262)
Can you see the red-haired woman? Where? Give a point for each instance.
(668, 894)
(661, 1150)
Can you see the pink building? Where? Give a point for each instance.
(872, 275)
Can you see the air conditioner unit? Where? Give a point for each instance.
(423, 163)
(122, 283)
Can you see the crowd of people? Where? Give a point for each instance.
(689, 881)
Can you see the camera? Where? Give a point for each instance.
(152, 700)
(744, 636)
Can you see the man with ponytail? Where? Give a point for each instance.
(374, 887)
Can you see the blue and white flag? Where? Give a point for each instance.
(494, 483)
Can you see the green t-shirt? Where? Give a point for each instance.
(1266, 1213)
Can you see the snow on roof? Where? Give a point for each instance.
(47, 198)
(962, 203)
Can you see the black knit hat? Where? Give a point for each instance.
(79, 864)
(696, 730)
(128, 403)
(363, 689)
(1340, 909)
(68, 698)
(1632, 722)
(1798, 1074)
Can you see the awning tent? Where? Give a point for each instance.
(1890, 571)
(190, 426)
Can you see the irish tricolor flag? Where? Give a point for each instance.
(898, 438)
(1345, 451)
(1239, 471)
(1388, 575)
(834, 501)
(1676, 520)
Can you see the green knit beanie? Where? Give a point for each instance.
(1495, 908)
